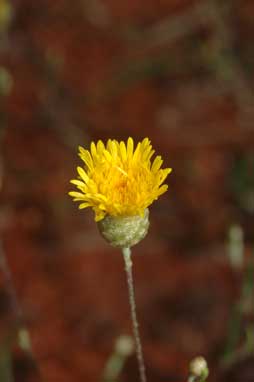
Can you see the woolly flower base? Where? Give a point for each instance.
(124, 231)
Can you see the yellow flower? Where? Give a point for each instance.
(118, 180)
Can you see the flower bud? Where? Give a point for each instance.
(199, 368)
(124, 346)
(124, 231)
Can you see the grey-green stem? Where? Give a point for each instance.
(139, 351)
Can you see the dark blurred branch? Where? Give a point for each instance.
(169, 30)
(6, 374)
(223, 62)
(236, 78)
(242, 315)
(8, 282)
(6, 14)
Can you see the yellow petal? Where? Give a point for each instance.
(107, 155)
(93, 150)
(100, 147)
(145, 143)
(77, 182)
(86, 157)
(76, 194)
(162, 189)
(84, 205)
(156, 164)
(130, 146)
(136, 154)
(83, 174)
(123, 151)
(113, 149)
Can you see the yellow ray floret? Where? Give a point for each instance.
(118, 179)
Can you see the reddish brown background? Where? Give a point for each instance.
(179, 72)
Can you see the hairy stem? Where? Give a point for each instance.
(139, 352)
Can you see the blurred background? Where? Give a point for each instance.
(181, 73)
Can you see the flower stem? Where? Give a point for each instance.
(139, 352)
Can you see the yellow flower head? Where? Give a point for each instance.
(118, 180)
